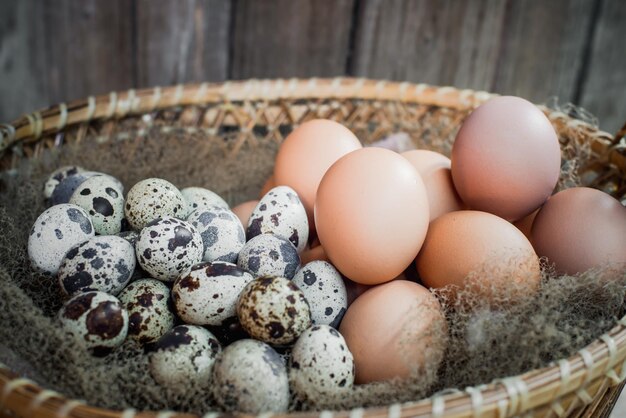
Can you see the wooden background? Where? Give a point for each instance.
(59, 50)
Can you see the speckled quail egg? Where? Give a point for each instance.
(167, 248)
(55, 231)
(222, 234)
(249, 376)
(130, 236)
(96, 320)
(198, 198)
(320, 364)
(208, 294)
(151, 199)
(324, 289)
(101, 197)
(273, 310)
(280, 212)
(105, 263)
(57, 176)
(65, 189)
(269, 255)
(149, 314)
(183, 355)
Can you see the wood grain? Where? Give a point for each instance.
(285, 38)
(182, 41)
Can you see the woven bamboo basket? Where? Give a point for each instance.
(585, 384)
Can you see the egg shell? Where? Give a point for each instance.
(579, 229)
(526, 224)
(208, 294)
(57, 176)
(269, 255)
(371, 215)
(273, 310)
(198, 198)
(65, 189)
(320, 364)
(95, 320)
(103, 263)
(249, 376)
(307, 153)
(280, 212)
(269, 184)
(325, 291)
(244, 210)
(167, 248)
(400, 322)
(130, 236)
(434, 168)
(313, 254)
(184, 355)
(151, 199)
(222, 234)
(471, 242)
(506, 158)
(55, 231)
(149, 313)
(101, 197)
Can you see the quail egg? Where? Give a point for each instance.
(151, 199)
(199, 198)
(222, 233)
(101, 197)
(57, 176)
(269, 255)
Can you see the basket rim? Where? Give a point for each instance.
(604, 359)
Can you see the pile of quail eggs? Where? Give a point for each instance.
(214, 301)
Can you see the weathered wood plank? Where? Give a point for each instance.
(604, 89)
(285, 38)
(182, 41)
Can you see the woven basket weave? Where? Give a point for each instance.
(582, 385)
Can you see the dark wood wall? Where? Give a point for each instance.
(58, 50)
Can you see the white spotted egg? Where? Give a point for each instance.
(269, 255)
(167, 248)
(57, 176)
(151, 199)
(249, 376)
(222, 233)
(105, 263)
(183, 355)
(280, 212)
(273, 310)
(148, 307)
(208, 294)
(95, 320)
(199, 198)
(102, 198)
(55, 231)
(325, 291)
(65, 189)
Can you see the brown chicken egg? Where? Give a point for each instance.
(244, 210)
(269, 184)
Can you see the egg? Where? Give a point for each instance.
(273, 310)
(101, 197)
(579, 229)
(320, 364)
(95, 320)
(480, 246)
(57, 176)
(526, 224)
(151, 199)
(325, 291)
(183, 356)
(208, 294)
(149, 314)
(394, 330)
(506, 158)
(307, 153)
(222, 234)
(65, 189)
(269, 184)
(269, 255)
(130, 236)
(280, 212)
(103, 263)
(201, 198)
(244, 210)
(167, 248)
(434, 168)
(55, 231)
(249, 376)
(371, 214)
(313, 254)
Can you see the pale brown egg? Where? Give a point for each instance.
(371, 214)
(581, 228)
(496, 252)
(526, 223)
(313, 254)
(437, 176)
(506, 158)
(307, 153)
(393, 330)
(244, 210)
(269, 184)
